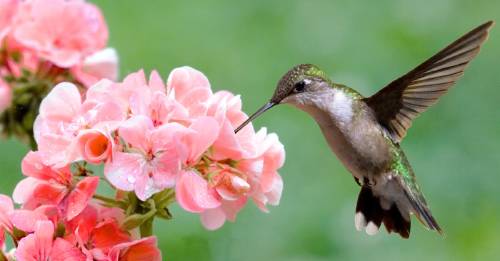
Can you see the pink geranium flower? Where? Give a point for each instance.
(150, 162)
(61, 31)
(41, 246)
(95, 230)
(64, 117)
(46, 185)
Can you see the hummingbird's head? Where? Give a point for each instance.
(299, 82)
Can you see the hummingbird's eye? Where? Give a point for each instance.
(299, 86)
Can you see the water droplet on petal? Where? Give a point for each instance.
(131, 179)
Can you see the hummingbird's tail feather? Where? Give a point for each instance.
(370, 214)
(421, 210)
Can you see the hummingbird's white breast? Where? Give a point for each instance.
(349, 129)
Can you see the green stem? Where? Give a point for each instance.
(110, 201)
(147, 228)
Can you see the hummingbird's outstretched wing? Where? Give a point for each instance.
(401, 101)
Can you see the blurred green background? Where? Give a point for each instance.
(245, 47)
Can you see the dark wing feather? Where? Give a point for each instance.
(401, 101)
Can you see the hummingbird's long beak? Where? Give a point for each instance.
(262, 109)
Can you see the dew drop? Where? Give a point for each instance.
(131, 179)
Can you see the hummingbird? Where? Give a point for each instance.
(365, 132)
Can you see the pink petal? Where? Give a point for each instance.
(102, 64)
(156, 82)
(124, 170)
(206, 131)
(135, 132)
(78, 198)
(145, 187)
(213, 219)
(62, 250)
(183, 79)
(36, 246)
(62, 103)
(193, 194)
(24, 190)
(26, 220)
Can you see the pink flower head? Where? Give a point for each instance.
(46, 185)
(61, 31)
(64, 117)
(95, 231)
(41, 246)
(142, 249)
(5, 95)
(8, 9)
(152, 160)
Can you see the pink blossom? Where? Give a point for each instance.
(47, 185)
(142, 249)
(151, 162)
(8, 9)
(63, 116)
(5, 95)
(61, 31)
(41, 246)
(95, 231)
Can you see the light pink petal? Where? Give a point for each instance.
(124, 169)
(102, 64)
(206, 131)
(24, 190)
(78, 198)
(183, 79)
(144, 187)
(26, 220)
(36, 246)
(231, 208)
(213, 219)
(135, 131)
(227, 146)
(62, 103)
(156, 83)
(274, 195)
(193, 194)
(6, 204)
(62, 250)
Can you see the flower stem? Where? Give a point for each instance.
(110, 201)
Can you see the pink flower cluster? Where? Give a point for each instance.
(43, 233)
(151, 137)
(156, 143)
(49, 38)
